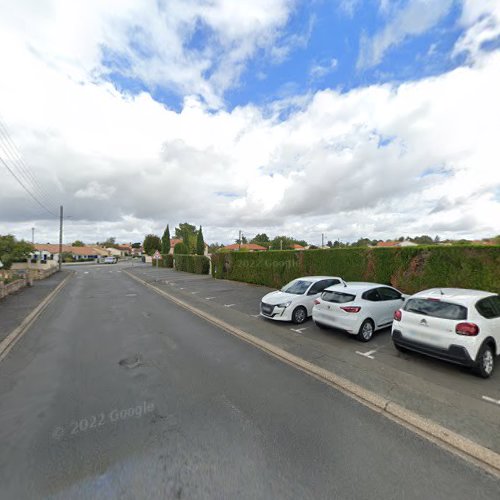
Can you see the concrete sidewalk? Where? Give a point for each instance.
(14, 308)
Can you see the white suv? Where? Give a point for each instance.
(294, 302)
(358, 308)
(453, 324)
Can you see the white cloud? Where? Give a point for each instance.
(482, 23)
(413, 18)
(318, 70)
(96, 191)
(378, 161)
(154, 41)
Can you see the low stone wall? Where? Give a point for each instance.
(14, 286)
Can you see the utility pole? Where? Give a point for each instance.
(60, 235)
(281, 244)
(322, 240)
(33, 235)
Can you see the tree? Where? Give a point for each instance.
(244, 240)
(180, 249)
(12, 250)
(362, 242)
(136, 245)
(214, 247)
(329, 244)
(151, 244)
(188, 234)
(200, 243)
(282, 243)
(262, 240)
(78, 243)
(165, 241)
(110, 242)
(423, 240)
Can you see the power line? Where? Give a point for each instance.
(24, 172)
(26, 189)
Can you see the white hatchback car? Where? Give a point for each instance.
(452, 324)
(294, 302)
(358, 308)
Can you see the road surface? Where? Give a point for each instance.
(115, 392)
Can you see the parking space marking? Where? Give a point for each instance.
(491, 400)
(229, 305)
(298, 330)
(367, 354)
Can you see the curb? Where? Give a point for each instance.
(8, 343)
(466, 448)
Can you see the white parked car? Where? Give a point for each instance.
(452, 324)
(359, 308)
(294, 302)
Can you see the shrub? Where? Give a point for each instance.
(181, 248)
(410, 269)
(198, 264)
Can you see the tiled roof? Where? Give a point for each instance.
(248, 246)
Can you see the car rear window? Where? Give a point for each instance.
(436, 309)
(490, 307)
(337, 297)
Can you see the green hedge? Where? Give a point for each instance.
(410, 269)
(198, 264)
(166, 260)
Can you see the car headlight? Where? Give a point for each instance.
(285, 304)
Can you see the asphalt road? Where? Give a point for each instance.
(117, 393)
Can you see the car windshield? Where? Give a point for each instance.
(297, 287)
(436, 309)
(337, 297)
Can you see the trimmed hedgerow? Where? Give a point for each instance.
(198, 264)
(167, 260)
(410, 269)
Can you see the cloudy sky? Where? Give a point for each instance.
(351, 118)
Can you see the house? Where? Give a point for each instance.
(296, 246)
(250, 247)
(114, 252)
(126, 249)
(51, 252)
(389, 244)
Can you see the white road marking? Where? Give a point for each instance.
(298, 330)
(367, 354)
(255, 315)
(86, 272)
(491, 400)
(229, 305)
(131, 295)
(181, 288)
(210, 298)
(192, 293)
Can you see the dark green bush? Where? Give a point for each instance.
(410, 269)
(181, 248)
(198, 264)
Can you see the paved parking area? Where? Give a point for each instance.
(406, 376)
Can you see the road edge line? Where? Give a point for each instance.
(464, 447)
(13, 337)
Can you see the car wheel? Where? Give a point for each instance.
(320, 325)
(366, 330)
(299, 315)
(485, 361)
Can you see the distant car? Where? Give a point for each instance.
(359, 308)
(110, 260)
(457, 325)
(294, 302)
